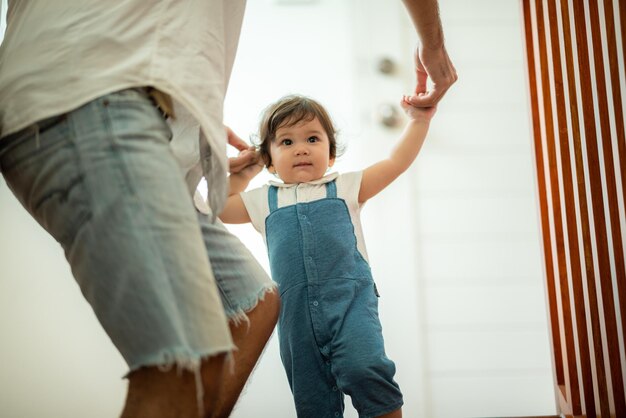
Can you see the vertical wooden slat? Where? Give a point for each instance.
(569, 355)
(570, 213)
(542, 192)
(591, 305)
(606, 136)
(597, 200)
(606, 281)
(622, 24)
(618, 113)
(575, 165)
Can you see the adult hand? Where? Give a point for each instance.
(247, 155)
(436, 65)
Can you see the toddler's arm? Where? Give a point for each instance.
(243, 168)
(380, 175)
(235, 211)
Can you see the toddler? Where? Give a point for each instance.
(330, 335)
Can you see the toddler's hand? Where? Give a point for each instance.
(417, 113)
(247, 163)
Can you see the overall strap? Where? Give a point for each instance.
(331, 189)
(272, 197)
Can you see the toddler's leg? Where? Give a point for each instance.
(359, 363)
(305, 358)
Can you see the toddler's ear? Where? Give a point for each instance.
(271, 169)
(331, 162)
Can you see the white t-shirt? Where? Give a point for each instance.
(348, 186)
(60, 54)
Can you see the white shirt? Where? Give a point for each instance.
(348, 186)
(59, 54)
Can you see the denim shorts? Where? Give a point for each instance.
(162, 279)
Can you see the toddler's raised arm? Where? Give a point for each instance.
(380, 175)
(235, 211)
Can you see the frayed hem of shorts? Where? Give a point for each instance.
(184, 360)
(239, 316)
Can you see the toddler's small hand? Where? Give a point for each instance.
(417, 113)
(245, 158)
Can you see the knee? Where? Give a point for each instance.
(362, 372)
(272, 305)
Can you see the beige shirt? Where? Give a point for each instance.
(59, 54)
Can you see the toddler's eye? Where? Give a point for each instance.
(286, 142)
(313, 139)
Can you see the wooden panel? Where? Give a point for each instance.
(542, 191)
(602, 231)
(580, 150)
(618, 114)
(588, 303)
(568, 353)
(574, 279)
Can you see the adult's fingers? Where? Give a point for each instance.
(243, 160)
(235, 140)
(428, 99)
(420, 74)
(437, 66)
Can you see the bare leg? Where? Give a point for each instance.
(172, 394)
(395, 414)
(250, 340)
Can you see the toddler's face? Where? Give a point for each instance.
(301, 153)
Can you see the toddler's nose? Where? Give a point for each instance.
(302, 150)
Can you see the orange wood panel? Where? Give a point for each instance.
(618, 113)
(542, 193)
(614, 230)
(622, 20)
(567, 334)
(583, 361)
(578, 160)
(591, 306)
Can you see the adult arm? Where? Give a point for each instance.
(431, 58)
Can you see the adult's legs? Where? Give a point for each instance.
(250, 300)
(395, 414)
(250, 339)
(152, 392)
(173, 393)
(103, 182)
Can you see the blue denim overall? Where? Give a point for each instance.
(330, 336)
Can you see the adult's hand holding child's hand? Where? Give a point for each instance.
(247, 155)
(433, 64)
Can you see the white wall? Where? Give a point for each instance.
(460, 277)
(475, 199)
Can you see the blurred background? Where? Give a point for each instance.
(454, 244)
